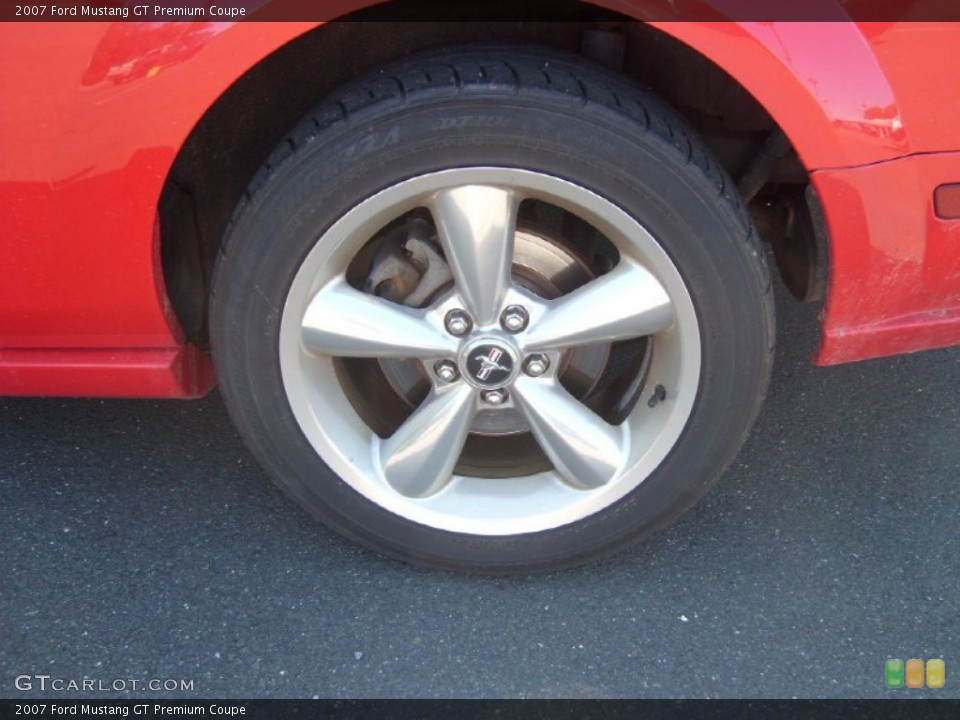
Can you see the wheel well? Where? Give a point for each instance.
(237, 134)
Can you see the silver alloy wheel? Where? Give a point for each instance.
(411, 473)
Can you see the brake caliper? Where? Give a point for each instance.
(408, 268)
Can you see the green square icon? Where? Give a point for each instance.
(894, 673)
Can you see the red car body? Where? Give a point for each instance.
(95, 114)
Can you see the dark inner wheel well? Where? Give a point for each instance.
(237, 134)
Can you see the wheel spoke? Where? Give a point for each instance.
(476, 225)
(345, 322)
(586, 451)
(626, 303)
(418, 459)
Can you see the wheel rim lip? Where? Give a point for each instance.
(478, 506)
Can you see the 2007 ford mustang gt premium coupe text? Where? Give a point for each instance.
(491, 296)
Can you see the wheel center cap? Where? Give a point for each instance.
(488, 363)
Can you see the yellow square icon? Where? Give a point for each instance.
(936, 673)
(914, 675)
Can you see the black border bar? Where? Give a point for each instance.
(477, 10)
(487, 709)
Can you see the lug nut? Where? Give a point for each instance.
(514, 319)
(458, 322)
(536, 365)
(446, 370)
(495, 397)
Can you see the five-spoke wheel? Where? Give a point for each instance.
(489, 344)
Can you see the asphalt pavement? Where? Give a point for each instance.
(139, 540)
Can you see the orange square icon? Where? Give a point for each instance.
(936, 673)
(914, 674)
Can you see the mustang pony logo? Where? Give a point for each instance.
(489, 363)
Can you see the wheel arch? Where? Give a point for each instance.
(821, 82)
(762, 64)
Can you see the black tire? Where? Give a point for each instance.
(514, 107)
